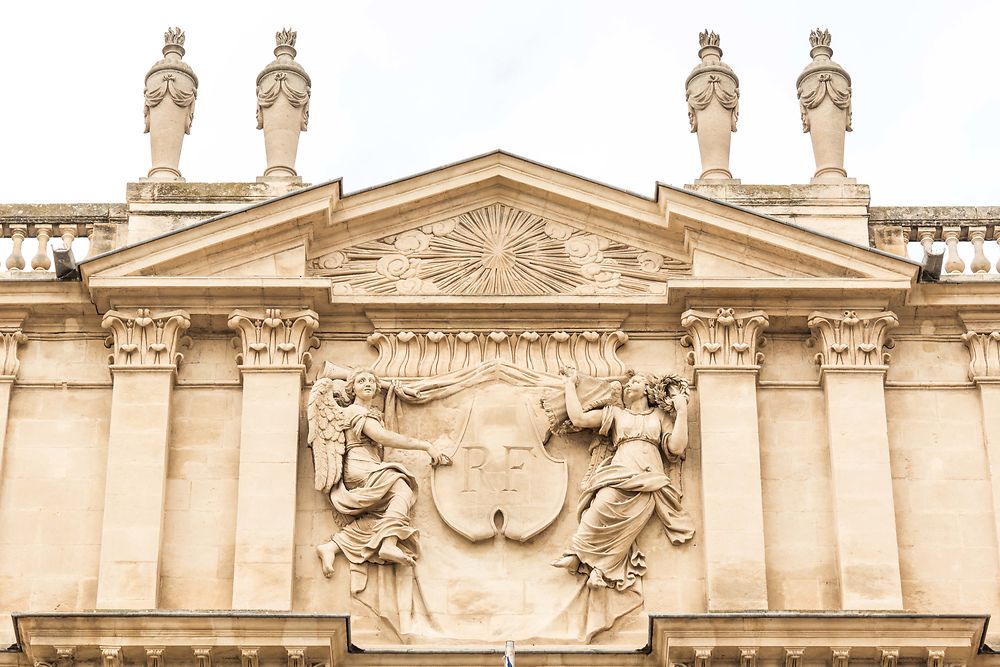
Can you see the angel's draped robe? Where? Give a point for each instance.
(623, 493)
(380, 509)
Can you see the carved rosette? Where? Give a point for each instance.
(713, 97)
(984, 348)
(268, 338)
(725, 338)
(409, 354)
(824, 91)
(852, 340)
(9, 341)
(171, 89)
(283, 91)
(146, 338)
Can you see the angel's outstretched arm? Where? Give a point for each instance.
(677, 441)
(580, 419)
(384, 436)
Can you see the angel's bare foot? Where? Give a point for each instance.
(327, 555)
(596, 579)
(568, 562)
(391, 553)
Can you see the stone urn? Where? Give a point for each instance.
(824, 90)
(713, 97)
(171, 88)
(283, 90)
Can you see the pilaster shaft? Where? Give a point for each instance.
(10, 340)
(273, 358)
(143, 365)
(724, 353)
(853, 367)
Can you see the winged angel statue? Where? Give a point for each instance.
(371, 497)
(637, 426)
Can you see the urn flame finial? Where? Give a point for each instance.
(283, 91)
(708, 38)
(285, 37)
(170, 91)
(819, 37)
(174, 36)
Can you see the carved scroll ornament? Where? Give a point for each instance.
(409, 354)
(851, 339)
(724, 338)
(496, 250)
(146, 338)
(984, 348)
(269, 338)
(9, 342)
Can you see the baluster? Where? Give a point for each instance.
(41, 261)
(980, 264)
(926, 237)
(68, 235)
(954, 262)
(16, 260)
(90, 240)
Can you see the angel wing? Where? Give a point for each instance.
(327, 423)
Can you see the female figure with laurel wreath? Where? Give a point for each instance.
(626, 488)
(348, 437)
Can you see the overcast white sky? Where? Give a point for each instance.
(596, 88)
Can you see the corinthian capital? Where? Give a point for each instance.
(984, 350)
(725, 338)
(10, 339)
(146, 337)
(851, 339)
(269, 338)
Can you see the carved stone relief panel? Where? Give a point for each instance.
(497, 250)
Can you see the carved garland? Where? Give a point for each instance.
(409, 354)
(724, 338)
(496, 250)
(9, 341)
(704, 89)
(268, 338)
(168, 88)
(299, 99)
(146, 338)
(851, 339)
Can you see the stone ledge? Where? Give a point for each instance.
(175, 191)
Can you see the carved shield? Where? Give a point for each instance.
(503, 480)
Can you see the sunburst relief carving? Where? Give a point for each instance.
(496, 250)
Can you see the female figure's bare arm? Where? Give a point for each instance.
(580, 419)
(677, 441)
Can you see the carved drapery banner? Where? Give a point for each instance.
(725, 338)
(9, 342)
(851, 339)
(984, 348)
(497, 250)
(409, 354)
(269, 338)
(146, 338)
(823, 79)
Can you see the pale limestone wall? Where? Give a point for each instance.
(53, 472)
(51, 492)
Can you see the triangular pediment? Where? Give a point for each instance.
(494, 225)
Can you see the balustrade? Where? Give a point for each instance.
(27, 247)
(967, 236)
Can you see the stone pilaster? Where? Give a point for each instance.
(143, 360)
(982, 337)
(274, 352)
(726, 359)
(853, 364)
(10, 339)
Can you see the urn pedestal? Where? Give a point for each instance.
(824, 91)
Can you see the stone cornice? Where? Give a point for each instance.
(146, 338)
(727, 338)
(852, 340)
(268, 338)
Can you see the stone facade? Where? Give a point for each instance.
(269, 422)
